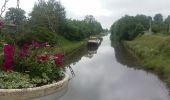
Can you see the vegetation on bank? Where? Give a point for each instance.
(154, 51)
(129, 27)
(32, 47)
(148, 38)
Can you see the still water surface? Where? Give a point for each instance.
(111, 74)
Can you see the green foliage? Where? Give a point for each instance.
(46, 23)
(72, 31)
(16, 15)
(78, 30)
(158, 27)
(40, 36)
(128, 27)
(154, 52)
(48, 15)
(139, 29)
(39, 72)
(158, 18)
(10, 80)
(167, 20)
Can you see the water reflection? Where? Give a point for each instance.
(108, 76)
(124, 57)
(74, 57)
(92, 50)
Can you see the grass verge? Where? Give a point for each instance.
(154, 52)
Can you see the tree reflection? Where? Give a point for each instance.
(124, 57)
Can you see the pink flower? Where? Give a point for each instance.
(45, 44)
(35, 44)
(58, 58)
(8, 49)
(24, 50)
(42, 58)
(1, 23)
(7, 65)
(25, 46)
(8, 52)
(22, 54)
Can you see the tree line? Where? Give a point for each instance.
(48, 20)
(129, 27)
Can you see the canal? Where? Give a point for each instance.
(110, 73)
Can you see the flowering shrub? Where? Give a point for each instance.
(35, 44)
(8, 53)
(42, 38)
(24, 50)
(58, 58)
(33, 60)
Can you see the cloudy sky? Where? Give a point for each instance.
(105, 11)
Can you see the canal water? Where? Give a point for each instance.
(110, 73)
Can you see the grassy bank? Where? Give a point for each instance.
(154, 52)
(68, 46)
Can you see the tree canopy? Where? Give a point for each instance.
(129, 27)
(15, 15)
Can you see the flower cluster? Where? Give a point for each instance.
(42, 58)
(8, 52)
(57, 58)
(24, 50)
(37, 45)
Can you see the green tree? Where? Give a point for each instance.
(128, 27)
(80, 29)
(158, 18)
(158, 25)
(94, 26)
(16, 15)
(48, 15)
(143, 20)
(167, 21)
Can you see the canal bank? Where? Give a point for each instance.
(153, 52)
(108, 75)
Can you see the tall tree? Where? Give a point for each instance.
(167, 21)
(94, 26)
(158, 25)
(16, 15)
(89, 19)
(48, 15)
(158, 18)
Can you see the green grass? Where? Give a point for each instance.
(154, 51)
(68, 46)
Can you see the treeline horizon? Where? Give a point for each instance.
(129, 27)
(48, 20)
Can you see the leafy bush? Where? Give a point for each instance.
(32, 64)
(40, 36)
(13, 79)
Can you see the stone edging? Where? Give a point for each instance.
(31, 93)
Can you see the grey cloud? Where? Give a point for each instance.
(133, 7)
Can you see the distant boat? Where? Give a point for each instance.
(93, 41)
